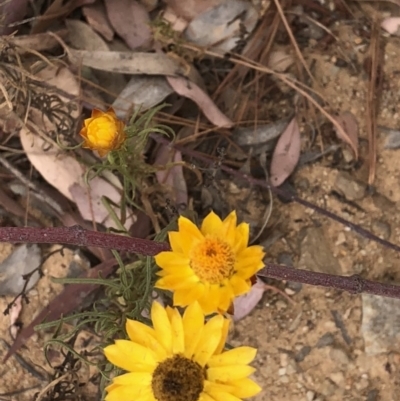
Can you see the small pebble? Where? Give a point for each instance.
(282, 371)
(310, 395)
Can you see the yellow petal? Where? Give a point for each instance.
(228, 230)
(250, 256)
(244, 388)
(137, 330)
(241, 237)
(236, 356)
(130, 356)
(227, 374)
(145, 335)
(224, 335)
(193, 323)
(205, 397)
(173, 282)
(174, 263)
(224, 396)
(178, 339)
(226, 297)
(162, 326)
(211, 224)
(187, 227)
(210, 300)
(140, 379)
(129, 393)
(239, 285)
(209, 341)
(209, 387)
(175, 241)
(186, 296)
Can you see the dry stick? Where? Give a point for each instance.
(76, 235)
(353, 284)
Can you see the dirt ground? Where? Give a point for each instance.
(325, 345)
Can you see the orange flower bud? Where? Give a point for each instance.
(103, 132)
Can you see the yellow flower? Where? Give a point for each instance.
(103, 131)
(212, 265)
(180, 359)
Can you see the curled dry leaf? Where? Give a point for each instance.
(131, 21)
(222, 26)
(184, 87)
(11, 11)
(141, 92)
(250, 136)
(190, 9)
(348, 122)
(96, 17)
(172, 178)
(391, 25)
(23, 260)
(286, 154)
(244, 304)
(59, 169)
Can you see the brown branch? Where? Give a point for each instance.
(76, 235)
(353, 284)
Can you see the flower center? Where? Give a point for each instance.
(102, 131)
(212, 260)
(178, 379)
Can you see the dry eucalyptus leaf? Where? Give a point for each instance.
(190, 9)
(348, 122)
(172, 178)
(82, 36)
(391, 25)
(190, 90)
(141, 92)
(222, 26)
(250, 136)
(128, 62)
(286, 154)
(244, 304)
(131, 21)
(96, 17)
(23, 260)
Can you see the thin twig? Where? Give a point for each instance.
(353, 284)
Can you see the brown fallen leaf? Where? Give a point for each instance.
(223, 26)
(190, 9)
(172, 178)
(128, 63)
(64, 303)
(96, 17)
(348, 122)
(12, 11)
(131, 21)
(286, 154)
(391, 25)
(141, 92)
(57, 9)
(184, 87)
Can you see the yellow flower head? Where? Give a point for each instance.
(103, 131)
(212, 265)
(180, 359)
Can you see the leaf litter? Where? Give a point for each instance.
(152, 72)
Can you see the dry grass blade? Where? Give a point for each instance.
(374, 89)
(292, 38)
